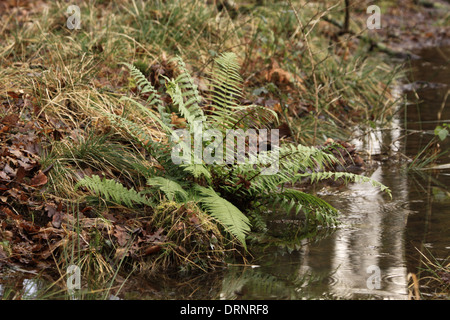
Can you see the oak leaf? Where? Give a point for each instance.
(39, 179)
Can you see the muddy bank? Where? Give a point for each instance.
(408, 26)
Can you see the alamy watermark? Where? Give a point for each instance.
(374, 20)
(235, 146)
(374, 281)
(74, 20)
(73, 278)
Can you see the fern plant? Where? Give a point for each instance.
(113, 190)
(233, 189)
(298, 163)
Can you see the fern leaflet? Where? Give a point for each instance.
(233, 220)
(113, 190)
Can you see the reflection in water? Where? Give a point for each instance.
(344, 264)
(18, 286)
(372, 236)
(378, 141)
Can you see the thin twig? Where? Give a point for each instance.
(313, 66)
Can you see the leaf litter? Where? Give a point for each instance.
(36, 227)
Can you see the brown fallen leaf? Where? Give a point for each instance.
(21, 173)
(29, 227)
(182, 249)
(152, 249)
(3, 255)
(13, 95)
(278, 75)
(55, 213)
(120, 253)
(10, 119)
(4, 176)
(157, 236)
(122, 236)
(38, 180)
(9, 212)
(194, 220)
(47, 253)
(57, 220)
(179, 122)
(9, 171)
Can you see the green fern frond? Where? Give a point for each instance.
(246, 117)
(298, 163)
(254, 116)
(159, 151)
(192, 114)
(293, 163)
(226, 82)
(233, 220)
(197, 170)
(313, 207)
(225, 92)
(270, 182)
(153, 100)
(302, 158)
(143, 84)
(163, 120)
(184, 94)
(170, 187)
(112, 190)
